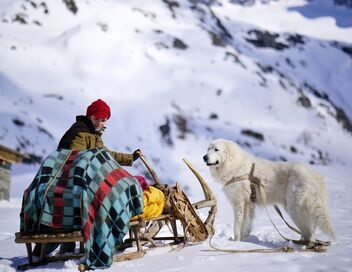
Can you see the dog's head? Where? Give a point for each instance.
(219, 152)
(223, 157)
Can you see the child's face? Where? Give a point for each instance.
(98, 123)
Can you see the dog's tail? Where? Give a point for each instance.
(325, 226)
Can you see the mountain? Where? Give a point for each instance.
(178, 74)
(274, 76)
(346, 3)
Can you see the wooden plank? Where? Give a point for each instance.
(60, 235)
(40, 240)
(129, 256)
(10, 155)
(147, 220)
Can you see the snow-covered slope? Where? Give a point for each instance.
(174, 65)
(274, 77)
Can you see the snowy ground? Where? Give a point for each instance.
(197, 258)
(307, 18)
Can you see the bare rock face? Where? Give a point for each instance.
(266, 39)
(71, 5)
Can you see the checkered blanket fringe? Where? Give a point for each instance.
(83, 190)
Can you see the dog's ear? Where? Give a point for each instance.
(227, 150)
(231, 151)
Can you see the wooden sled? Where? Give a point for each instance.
(137, 235)
(141, 232)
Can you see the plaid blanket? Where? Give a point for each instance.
(83, 190)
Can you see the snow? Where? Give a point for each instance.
(123, 53)
(199, 257)
(319, 19)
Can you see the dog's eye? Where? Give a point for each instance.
(216, 150)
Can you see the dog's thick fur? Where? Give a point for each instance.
(299, 189)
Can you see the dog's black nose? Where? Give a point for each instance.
(205, 158)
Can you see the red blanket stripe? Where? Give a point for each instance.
(59, 189)
(103, 190)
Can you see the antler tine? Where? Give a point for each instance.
(206, 190)
(150, 169)
(210, 200)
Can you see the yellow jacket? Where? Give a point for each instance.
(154, 201)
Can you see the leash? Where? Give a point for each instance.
(285, 249)
(277, 209)
(317, 245)
(257, 250)
(301, 242)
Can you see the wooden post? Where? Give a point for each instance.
(7, 157)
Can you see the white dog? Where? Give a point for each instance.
(299, 189)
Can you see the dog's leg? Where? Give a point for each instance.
(243, 213)
(306, 229)
(299, 207)
(248, 218)
(239, 213)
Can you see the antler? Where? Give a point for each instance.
(150, 169)
(209, 201)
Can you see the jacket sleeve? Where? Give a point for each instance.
(123, 158)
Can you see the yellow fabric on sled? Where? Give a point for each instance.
(154, 201)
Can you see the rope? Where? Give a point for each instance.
(249, 177)
(257, 250)
(316, 245)
(239, 178)
(316, 242)
(282, 217)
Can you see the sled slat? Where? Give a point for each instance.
(129, 256)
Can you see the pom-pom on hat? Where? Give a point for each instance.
(99, 109)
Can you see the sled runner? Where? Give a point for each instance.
(143, 232)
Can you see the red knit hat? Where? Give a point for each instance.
(99, 109)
